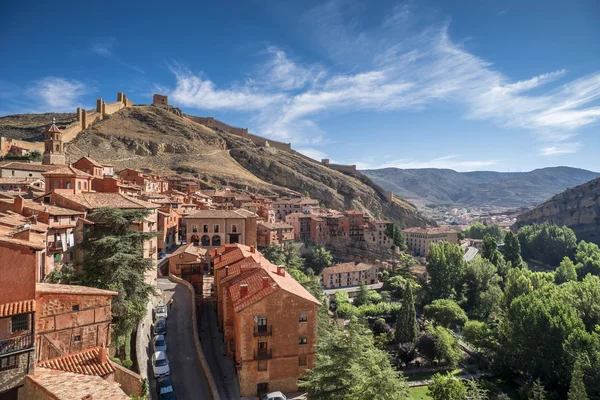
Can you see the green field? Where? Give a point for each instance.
(418, 393)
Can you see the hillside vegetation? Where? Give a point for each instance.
(479, 188)
(155, 140)
(578, 208)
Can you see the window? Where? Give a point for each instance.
(262, 365)
(204, 228)
(77, 338)
(302, 340)
(20, 323)
(47, 200)
(84, 185)
(75, 307)
(216, 228)
(8, 363)
(72, 218)
(301, 361)
(234, 228)
(262, 324)
(68, 186)
(194, 228)
(302, 316)
(55, 218)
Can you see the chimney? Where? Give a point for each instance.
(103, 354)
(281, 270)
(243, 290)
(252, 249)
(226, 270)
(23, 235)
(265, 281)
(18, 205)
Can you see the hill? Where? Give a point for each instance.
(479, 188)
(578, 208)
(154, 139)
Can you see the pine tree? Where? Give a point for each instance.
(537, 391)
(577, 390)
(406, 323)
(512, 249)
(362, 297)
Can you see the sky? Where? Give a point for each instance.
(466, 84)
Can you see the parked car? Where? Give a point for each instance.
(159, 343)
(160, 327)
(160, 364)
(164, 388)
(161, 311)
(161, 255)
(274, 396)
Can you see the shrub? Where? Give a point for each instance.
(127, 363)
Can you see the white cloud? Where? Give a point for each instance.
(561, 148)
(450, 161)
(312, 153)
(105, 46)
(57, 94)
(394, 67)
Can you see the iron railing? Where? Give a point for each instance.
(263, 330)
(263, 354)
(16, 343)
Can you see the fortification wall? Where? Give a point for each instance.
(261, 141)
(111, 108)
(216, 124)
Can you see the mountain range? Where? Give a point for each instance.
(479, 188)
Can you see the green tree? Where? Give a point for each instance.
(446, 387)
(445, 267)
(113, 260)
(446, 313)
(565, 272)
(547, 243)
(475, 391)
(362, 297)
(319, 259)
(512, 250)
(538, 392)
(398, 238)
(490, 304)
(406, 323)
(349, 366)
(577, 390)
(35, 155)
(396, 285)
(446, 347)
(479, 231)
(587, 258)
(480, 274)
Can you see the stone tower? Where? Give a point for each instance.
(53, 146)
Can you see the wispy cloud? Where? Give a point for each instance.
(57, 94)
(561, 148)
(104, 46)
(394, 67)
(453, 161)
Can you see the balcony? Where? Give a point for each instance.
(263, 354)
(18, 343)
(263, 330)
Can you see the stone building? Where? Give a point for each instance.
(274, 233)
(71, 319)
(350, 274)
(68, 178)
(54, 152)
(93, 167)
(268, 319)
(168, 228)
(25, 170)
(286, 206)
(214, 228)
(419, 239)
(379, 233)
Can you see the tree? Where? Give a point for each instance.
(319, 259)
(426, 346)
(587, 258)
(446, 313)
(445, 266)
(537, 391)
(490, 304)
(35, 155)
(398, 238)
(349, 366)
(362, 297)
(479, 275)
(113, 260)
(577, 390)
(405, 353)
(475, 391)
(478, 334)
(446, 387)
(396, 285)
(479, 231)
(512, 250)
(547, 243)
(565, 272)
(406, 323)
(446, 347)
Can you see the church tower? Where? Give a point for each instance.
(53, 146)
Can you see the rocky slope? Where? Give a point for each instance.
(578, 208)
(479, 188)
(31, 127)
(155, 140)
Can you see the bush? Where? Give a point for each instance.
(127, 363)
(116, 360)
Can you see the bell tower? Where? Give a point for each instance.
(53, 146)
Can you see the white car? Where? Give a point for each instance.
(161, 311)
(274, 396)
(159, 343)
(160, 364)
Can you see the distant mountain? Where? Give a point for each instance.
(479, 188)
(578, 208)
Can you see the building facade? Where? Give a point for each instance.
(214, 228)
(350, 274)
(419, 239)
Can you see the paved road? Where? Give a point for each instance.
(470, 254)
(187, 373)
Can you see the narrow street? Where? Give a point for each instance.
(187, 374)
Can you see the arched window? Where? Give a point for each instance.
(205, 240)
(234, 228)
(57, 147)
(216, 240)
(195, 239)
(68, 185)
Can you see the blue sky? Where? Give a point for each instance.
(468, 85)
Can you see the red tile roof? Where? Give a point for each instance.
(62, 385)
(85, 362)
(19, 307)
(67, 170)
(20, 166)
(53, 128)
(94, 200)
(72, 289)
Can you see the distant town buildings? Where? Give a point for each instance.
(419, 239)
(350, 274)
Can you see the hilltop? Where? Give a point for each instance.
(157, 140)
(479, 188)
(578, 208)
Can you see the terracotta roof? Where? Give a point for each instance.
(93, 200)
(347, 267)
(210, 214)
(36, 241)
(29, 167)
(93, 162)
(275, 225)
(61, 385)
(428, 230)
(19, 307)
(233, 255)
(67, 170)
(72, 289)
(51, 209)
(190, 249)
(53, 128)
(85, 362)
